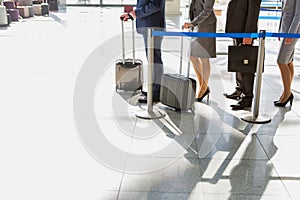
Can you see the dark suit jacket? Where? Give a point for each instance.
(150, 13)
(242, 16)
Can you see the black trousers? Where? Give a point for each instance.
(244, 81)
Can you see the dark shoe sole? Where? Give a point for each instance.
(244, 107)
(145, 100)
(232, 97)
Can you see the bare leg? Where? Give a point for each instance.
(291, 68)
(206, 74)
(199, 71)
(286, 80)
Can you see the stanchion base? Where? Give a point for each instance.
(256, 120)
(154, 114)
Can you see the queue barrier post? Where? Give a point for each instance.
(151, 112)
(255, 117)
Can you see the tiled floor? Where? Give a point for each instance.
(66, 133)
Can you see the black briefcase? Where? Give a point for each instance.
(242, 58)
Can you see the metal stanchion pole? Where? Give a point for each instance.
(150, 70)
(255, 117)
(150, 113)
(133, 43)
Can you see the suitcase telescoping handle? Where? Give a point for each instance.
(189, 53)
(123, 40)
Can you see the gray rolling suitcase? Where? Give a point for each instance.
(3, 16)
(178, 91)
(128, 72)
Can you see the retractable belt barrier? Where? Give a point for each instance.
(228, 35)
(255, 117)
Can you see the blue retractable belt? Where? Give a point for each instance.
(229, 35)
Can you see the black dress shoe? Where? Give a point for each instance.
(236, 95)
(242, 104)
(144, 99)
(144, 93)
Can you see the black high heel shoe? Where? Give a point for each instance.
(277, 100)
(290, 99)
(199, 99)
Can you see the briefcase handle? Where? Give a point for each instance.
(241, 44)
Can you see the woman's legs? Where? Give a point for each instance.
(206, 74)
(291, 68)
(198, 68)
(202, 70)
(287, 73)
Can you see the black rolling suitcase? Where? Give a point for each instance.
(45, 9)
(129, 72)
(8, 19)
(53, 5)
(178, 91)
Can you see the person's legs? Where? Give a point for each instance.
(291, 69)
(247, 91)
(286, 77)
(236, 95)
(285, 64)
(202, 70)
(158, 64)
(238, 75)
(199, 71)
(247, 85)
(206, 74)
(238, 78)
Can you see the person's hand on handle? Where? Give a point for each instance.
(188, 25)
(124, 17)
(288, 40)
(247, 41)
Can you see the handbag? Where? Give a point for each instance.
(242, 58)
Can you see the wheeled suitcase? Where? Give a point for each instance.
(45, 8)
(178, 91)
(37, 9)
(31, 11)
(8, 19)
(25, 2)
(3, 16)
(23, 11)
(128, 72)
(9, 4)
(14, 14)
(53, 5)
